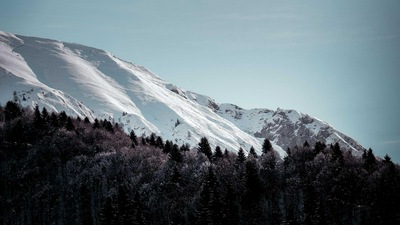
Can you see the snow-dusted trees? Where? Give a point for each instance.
(92, 174)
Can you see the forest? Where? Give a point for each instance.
(56, 169)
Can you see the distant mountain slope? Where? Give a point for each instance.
(89, 82)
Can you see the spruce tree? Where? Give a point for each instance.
(69, 125)
(267, 146)
(37, 119)
(175, 154)
(241, 157)
(167, 147)
(218, 152)
(204, 147)
(252, 196)
(253, 152)
(369, 160)
(337, 154)
(159, 142)
(205, 209)
(133, 137)
(11, 111)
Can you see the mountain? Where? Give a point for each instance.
(89, 82)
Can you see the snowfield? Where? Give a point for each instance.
(89, 82)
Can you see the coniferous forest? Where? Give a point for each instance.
(61, 170)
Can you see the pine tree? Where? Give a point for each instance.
(175, 154)
(133, 137)
(230, 214)
(205, 209)
(337, 154)
(241, 157)
(45, 114)
(369, 160)
(37, 119)
(253, 152)
(86, 120)
(152, 140)
(159, 142)
(267, 146)
(218, 152)
(62, 118)
(11, 111)
(96, 124)
(204, 147)
(184, 147)
(54, 120)
(252, 196)
(69, 125)
(167, 147)
(319, 147)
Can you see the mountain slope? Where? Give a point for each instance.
(89, 82)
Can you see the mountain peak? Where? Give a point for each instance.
(93, 83)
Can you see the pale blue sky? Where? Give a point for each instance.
(335, 60)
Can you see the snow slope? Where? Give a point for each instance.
(93, 83)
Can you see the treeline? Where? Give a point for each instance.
(61, 170)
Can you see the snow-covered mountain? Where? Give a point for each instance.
(88, 82)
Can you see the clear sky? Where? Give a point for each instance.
(336, 60)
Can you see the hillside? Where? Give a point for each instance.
(93, 83)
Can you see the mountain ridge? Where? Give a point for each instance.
(93, 83)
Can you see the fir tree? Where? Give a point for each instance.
(267, 146)
(319, 147)
(369, 160)
(62, 118)
(241, 157)
(133, 137)
(37, 119)
(69, 125)
(204, 147)
(54, 120)
(12, 111)
(205, 213)
(167, 147)
(185, 147)
(159, 142)
(218, 152)
(337, 154)
(86, 120)
(253, 152)
(252, 195)
(175, 154)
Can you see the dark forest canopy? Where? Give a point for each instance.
(61, 170)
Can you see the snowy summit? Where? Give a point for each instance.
(89, 82)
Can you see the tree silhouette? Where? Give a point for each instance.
(267, 146)
(204, 147)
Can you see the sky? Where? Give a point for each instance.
(336, 60)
